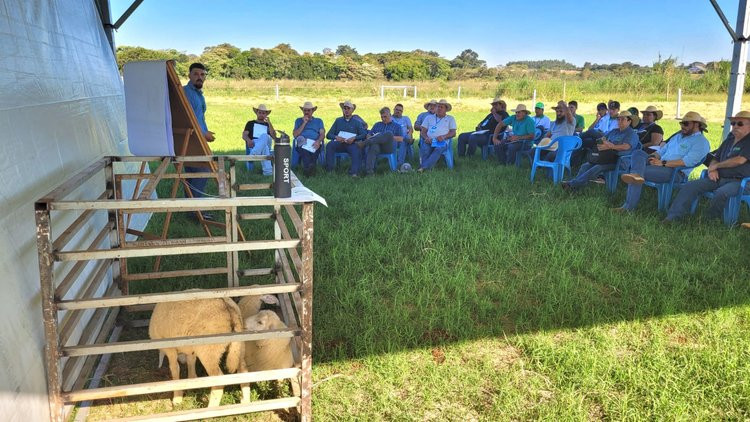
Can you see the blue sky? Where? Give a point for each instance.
(598, 31)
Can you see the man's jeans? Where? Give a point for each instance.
(308, 158)
(262, 146)
(657, 174)
(472, 140)
(197, 186)
(381, 143)
(429, 156)
(404, 150)
(589, 172)
(723, 190)
(352, 149)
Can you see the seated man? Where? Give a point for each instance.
(540, 120)
(484, 130)
(344, 132)
(436, 130)
(405, 149)
(523, 130)
(650, 133)
(381, 139)
(728, 166)
(622, 141)
(687, 149)
(430, 107)
(564, 125)
(307, 128)
(580, 125)
(606, 121)
(354, 116)
(258, 136)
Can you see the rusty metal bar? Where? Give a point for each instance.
(307, 308)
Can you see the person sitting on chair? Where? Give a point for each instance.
(258, 136)
(523, 130)
(650, 133)
(405, 149)
(606, 121)
(354, 116)
(541, 121)
(381, 139)
(436, 130)
(430, 107)
(580, 123)
(617, 142)
(727, 167)
(486, 127)
(686, 149)
(344, 132)
(308, 127)
(564, 125)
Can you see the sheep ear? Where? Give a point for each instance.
(270, 299)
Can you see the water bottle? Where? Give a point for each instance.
(282, 177)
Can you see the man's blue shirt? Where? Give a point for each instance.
(198, 103)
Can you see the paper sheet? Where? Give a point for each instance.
(346, 135)
(480, 132)
(259, 130)
(308, 145)
(148, 115)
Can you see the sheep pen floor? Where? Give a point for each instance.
(475, 295)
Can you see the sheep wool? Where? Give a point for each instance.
(199, 317)
(250, 305)
(273, 353)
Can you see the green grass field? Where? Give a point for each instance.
(474, 294)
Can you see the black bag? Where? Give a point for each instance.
(608, 156)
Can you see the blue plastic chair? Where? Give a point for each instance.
(613, 176)
(490, 147)
(527, 148)
(734, 203)
(447, 154)
(391, 156)
(664, 190)
(296, 157)
(565, 147)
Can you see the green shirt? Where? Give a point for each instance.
(579, 121)
(520, 127)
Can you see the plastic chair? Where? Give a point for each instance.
(734, 203)
(447, 154)
(664, 190)
(613, 176)
(390, 156)
(527, 148)
(565, 147)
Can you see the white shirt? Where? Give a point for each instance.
(438, 126)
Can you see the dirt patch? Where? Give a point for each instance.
(438, 356)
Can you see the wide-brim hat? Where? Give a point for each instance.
(348, 103)
(546, 142)
(557, 107)
(443, 101)
(308, 104)
(692, 116)
(653, 109)
(741, 115)
(634, 119)
(520, 107)
(428, 103)
(262, 107)
(496, 100)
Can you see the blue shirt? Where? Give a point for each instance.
(312, 130)
(198, 103)
(522, 127)
(542, 121)
(405, 122)
(421, 117)
(627, 136)
(352, 126)
(691, 149)
(391, 127)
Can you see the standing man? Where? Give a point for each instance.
(309, 128)
(729, 165)
(523, 130)
(540, 120)
(194, 93)
(382, 139)
(580, 124)
(258, 136)
(405, 147)
(344, 132)
(436, 130)
(484, 130)
(686, 149)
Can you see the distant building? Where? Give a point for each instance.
(697, 68)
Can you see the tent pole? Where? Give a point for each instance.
(739, 64)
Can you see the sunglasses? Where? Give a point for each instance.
(685, 123)
(740, 124)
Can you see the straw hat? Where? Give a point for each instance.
(741, 115)
(692, 116)
(428, 103)
(448, 106)
(558, 106)
(496, 100)
(262, 107)
(634, 119)
(308, 104)
(348, 103)
(545, 142)
(653, 109)
(520, 107)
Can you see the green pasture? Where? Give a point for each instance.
(474, 294)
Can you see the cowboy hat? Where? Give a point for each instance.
(546, 142)
(653, 109)
(496, 100)
(447, 105)
(692, 116)
(520, 107)
(557, 106)
(741, 115)
(262, 107)
(428, 103)
(348, 103)
(309, 105)
(634, 119)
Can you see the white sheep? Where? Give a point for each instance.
(272, 353)
(250, 305)
(194, 318)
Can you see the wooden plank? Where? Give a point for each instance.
(93, 284)
(234, 224)
(74, 182)
(256, 216)
(174, 274)
(294, 216)
(139, 345)
(108, 302)
(163, 205)
(292, 252)
(147, 236)
(181, 384)
(254, 186)
(72, 275)
(255, 272)
(154, 178)
(252, 245)
(76, 225)
(251, 157)
(215, 412)
(184, 241)
(206, 175)
(306, 277)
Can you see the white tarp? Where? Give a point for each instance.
(147, 107)
(62, 106)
